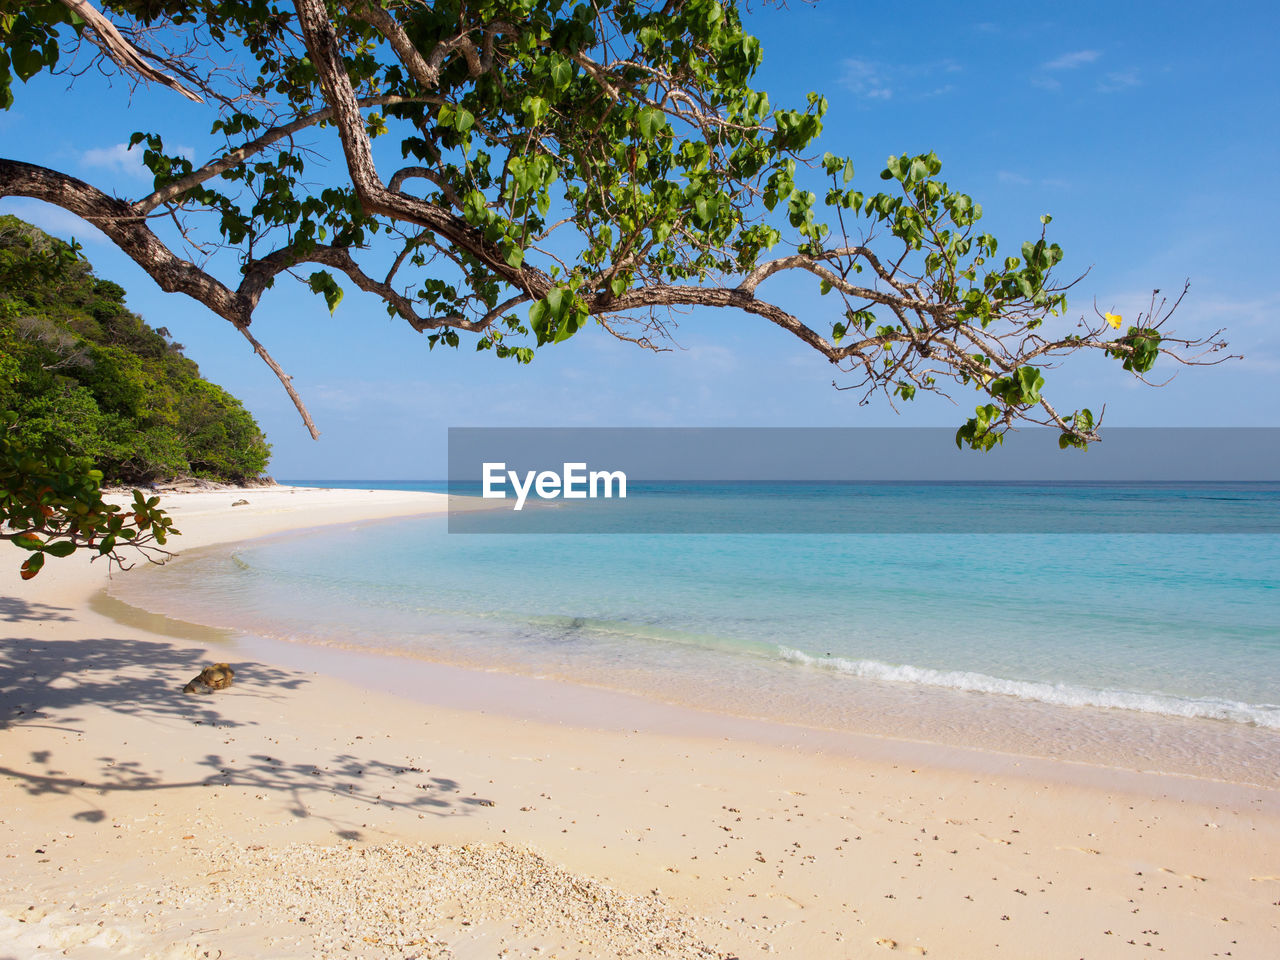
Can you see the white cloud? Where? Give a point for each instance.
(1259, 312)
(1247, 323)
(1069, 61)
(864, 78)
(1123, 80)
(873, 80)
(1019, 180)
(123, 159)
(119, 158)
(1111, 82)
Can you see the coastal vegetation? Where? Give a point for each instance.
(80, 370)
(51, 504)
(90, 394)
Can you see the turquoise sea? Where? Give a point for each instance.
(1158, 651)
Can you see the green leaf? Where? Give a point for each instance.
(1030, 381)
(651, 123)
(63, 548)
(557, 300)
(535, 108)
(28, 541)
(539, 315)
(561, 73)
(571, 322)
(31, 566)
(322, 282)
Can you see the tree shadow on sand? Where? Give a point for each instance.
(43, 682)
(124, 676)
(17, 610)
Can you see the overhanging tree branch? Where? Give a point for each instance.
(605, 170)
(233, 158)
(134, 237)
(105, 35)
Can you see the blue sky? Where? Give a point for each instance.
(1148, 130)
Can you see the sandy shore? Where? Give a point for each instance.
(448, 814)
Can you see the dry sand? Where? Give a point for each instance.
(299, 814)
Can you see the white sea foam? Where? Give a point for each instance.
(1257, 714)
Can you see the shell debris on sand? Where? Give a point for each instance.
(420, 900)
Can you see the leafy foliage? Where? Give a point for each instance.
(80, 373)
(51, 504)
(566, 165)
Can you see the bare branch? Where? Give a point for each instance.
(108, 38)
(284, 378)
(427, 70)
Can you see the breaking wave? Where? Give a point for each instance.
(1064, 694)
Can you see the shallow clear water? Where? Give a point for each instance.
(1137, 647)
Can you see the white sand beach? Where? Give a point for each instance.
(346, 805)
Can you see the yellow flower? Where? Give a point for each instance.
(1114, 319)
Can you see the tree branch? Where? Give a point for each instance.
(233, 158)
(427, 71)
(322, 45)
(104, 33)
(130, 232)
(285, 380)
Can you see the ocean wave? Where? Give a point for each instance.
(1065, 694)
